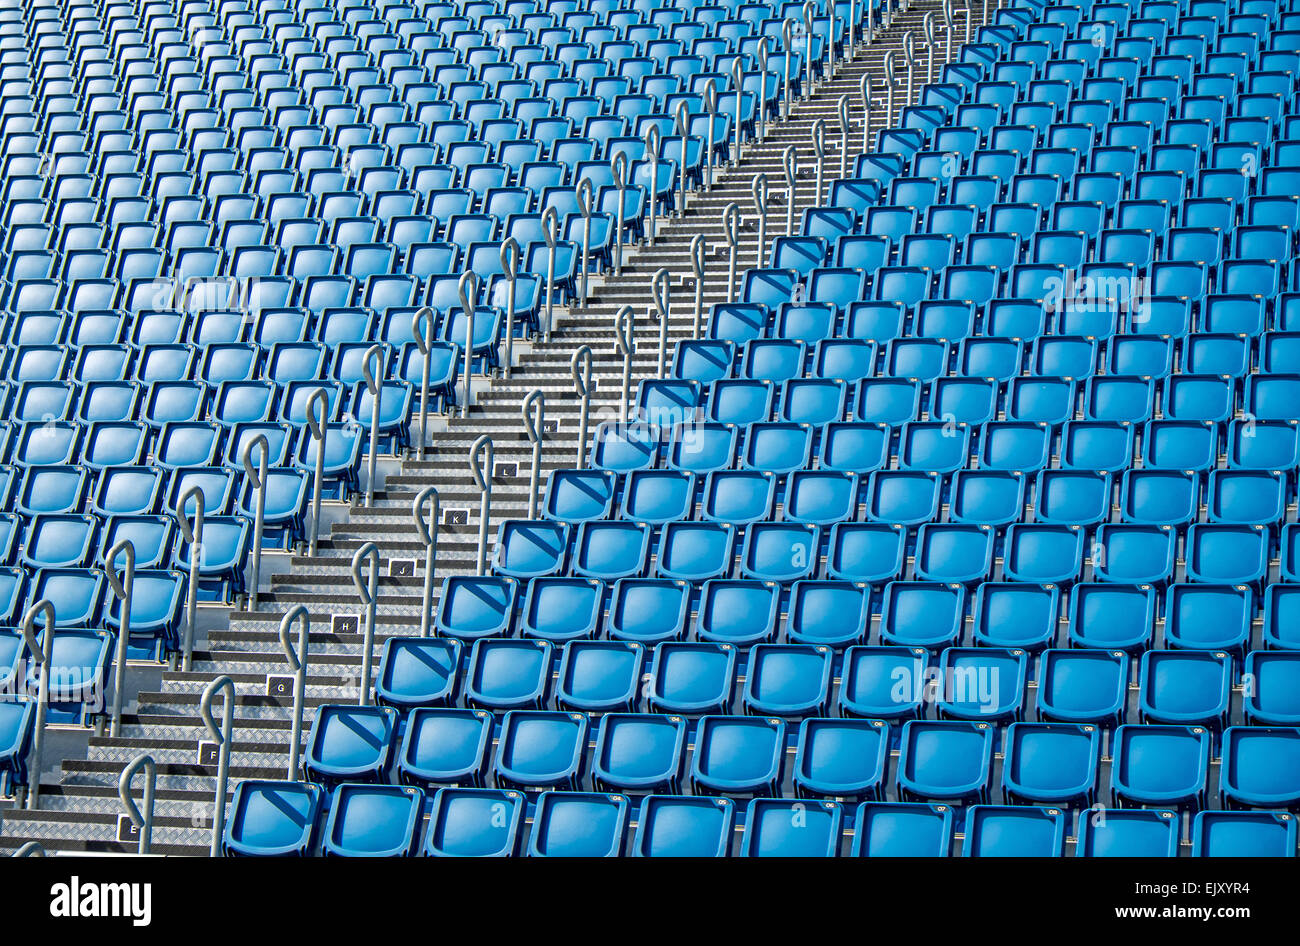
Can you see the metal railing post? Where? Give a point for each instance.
(510, 256)
(551, 232)
(123, 587)
(758, 191)
(909, 54)
(738, 80)
(221, 735)
(427, 527)
(969, 4)
(41, 653)
(865, 90)
(808, 44)
(710, 96)
(468, 305)
(618, 165)
(659, 292)
(790, 167)
(871, 20)
(851, 40)
(533, 412)
(947, 30)
(258, 476)
(787, 38)
(683, 128)
(317, 411)
(830, 39)
(481, 455)
(143, 821)
(297, 658)
(585, 198)
(30, 849)
(927, 27)
(763, 56)
(581, 367)
(731, 233)
(423, 342)
(625, 343)
(697, 269)
(368, 591)
(652, 143)
(819, 153)
(373, 377)
(888, 67)
(843, 109)
(193, 534)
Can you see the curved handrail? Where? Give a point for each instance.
(191, 532)
(368, 591)
(580, 367)
(818, 136)
(842, 110)
(124, 587)
(481, 455)
(142, 820)
(653, 141)
(947, 30)
(864, 89)
(738, 80)
(551, 233)
(808, 38)
(427, 527)
(909, 56)
(697, 252)
(511, 256)
(297, 658)
(221, 735)
(790, 168)
(41, 652)
(585, 198)
(467, 287)
(927, 28)
(731, 233)
(30, 849)
(787, 42)
(683, 121)
(763, 57)
(424, 343)
(711, 109)
(533, 412)
(625, 343)
(659, 294)
(758, 190)
(317, 411)
(887, 65)
(258, 477)
(618, 165)
(373, 377)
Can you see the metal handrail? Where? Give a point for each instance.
(842, 108)
(618, 165)
(653, 140)
(30, 849)
(41, 653)
(142, 820)
(427, 527)
(258, 475)
(864, 89)
(423, 342)
(887, 66)
(585, 197)
(711, 109)
(947, 30)
(969, 4)
(297, 658)
(738, 80)
(193, 534)
(317, 411)
(551, 233)
(481, 455)
(373, 377)
(830, 40)
(763, 56)
(683, 127)
(533, 412)
(221, 735)
(818, 135)
(731, 233)
(625, 342)
(368, 591)
(927, 28)
(851, 40)
(468, 305)
(124, 587)
(758, 190)
(659, 293)
(808, 38)
(581, 367)
(787, 39)
(790, 167)
(510, 259)
(697, 252)
(909, 55)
